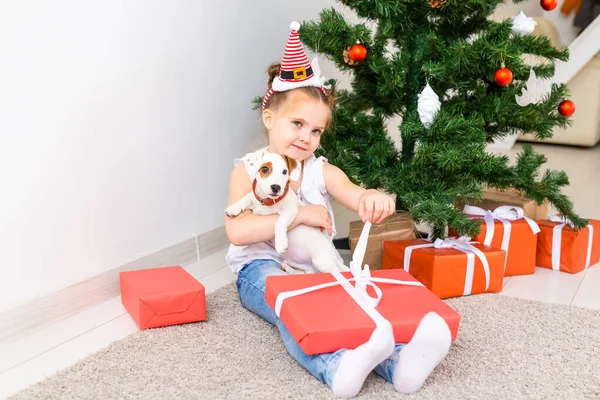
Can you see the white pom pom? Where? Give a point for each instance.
(428, 105)
(295, 26)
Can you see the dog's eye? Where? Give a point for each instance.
(285, 171)
(264, 170)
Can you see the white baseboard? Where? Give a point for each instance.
(40, 313)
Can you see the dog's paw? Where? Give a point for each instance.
(285, 267)
(281, 244)
(233, 211)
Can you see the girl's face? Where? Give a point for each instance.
(295, 128)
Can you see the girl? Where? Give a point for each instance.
(296, 112)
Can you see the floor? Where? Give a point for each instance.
(40, 355)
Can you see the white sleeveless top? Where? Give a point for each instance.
(312, 192)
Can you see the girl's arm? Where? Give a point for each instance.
(248, 228)
(371, 205)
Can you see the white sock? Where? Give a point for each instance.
(355, 365)
(422, 354)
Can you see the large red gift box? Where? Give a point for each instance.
(326, 320)
(162, 296)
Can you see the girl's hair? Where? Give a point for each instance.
(278, 98)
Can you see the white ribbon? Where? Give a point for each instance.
(362, 279)
(504, 214)
(463, 244)
(557, 240)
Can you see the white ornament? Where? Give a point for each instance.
(317, 71)
(521, 24)
(535, 90)
(428, 105)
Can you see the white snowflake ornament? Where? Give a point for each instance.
(522, 24)
(535, 90)
(428, 105)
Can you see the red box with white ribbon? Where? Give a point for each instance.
(448, 267)
(508, 228)
(328, 319)
(326, 312)
(561, 248)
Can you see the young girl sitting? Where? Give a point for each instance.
(296, 112)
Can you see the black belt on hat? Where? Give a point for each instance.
(298, 73)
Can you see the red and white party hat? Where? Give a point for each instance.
(296, 71)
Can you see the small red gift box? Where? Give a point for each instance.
(162, 296)
(329, 319)
(562, 248)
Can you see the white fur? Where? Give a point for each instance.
(304, 246)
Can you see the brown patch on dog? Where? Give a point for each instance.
(269, 165)
(291, 163)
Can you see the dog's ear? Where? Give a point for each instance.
(292, 164)
(293, 168)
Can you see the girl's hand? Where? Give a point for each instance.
(375, 206)
(314, 215)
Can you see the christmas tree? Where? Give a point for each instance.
(458, 80)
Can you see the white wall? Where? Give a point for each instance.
(119, 122)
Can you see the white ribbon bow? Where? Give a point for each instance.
(562, 219)
(463, 244)
(504, 214)
(362, 279)
(557, 240)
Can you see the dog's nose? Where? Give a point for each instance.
(275, 188)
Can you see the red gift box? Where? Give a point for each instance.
(162, 296)
(329, 319)
(444, 266)
(508, 228)
(562, 248)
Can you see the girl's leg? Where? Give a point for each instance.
(409, 365)
(344, 371)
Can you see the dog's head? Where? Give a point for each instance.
(273, 175)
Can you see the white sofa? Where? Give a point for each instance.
(585, 93)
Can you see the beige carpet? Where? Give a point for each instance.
(506, 349)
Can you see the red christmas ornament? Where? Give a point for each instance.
(503, 76)
(566, 108)
(358, 52)
(548, 5)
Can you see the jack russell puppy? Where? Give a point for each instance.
(304, 246)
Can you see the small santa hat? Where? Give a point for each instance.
(295, 70)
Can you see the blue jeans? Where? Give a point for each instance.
(251, 283)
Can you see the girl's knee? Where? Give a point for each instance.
(255, 274)
(260, 269)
